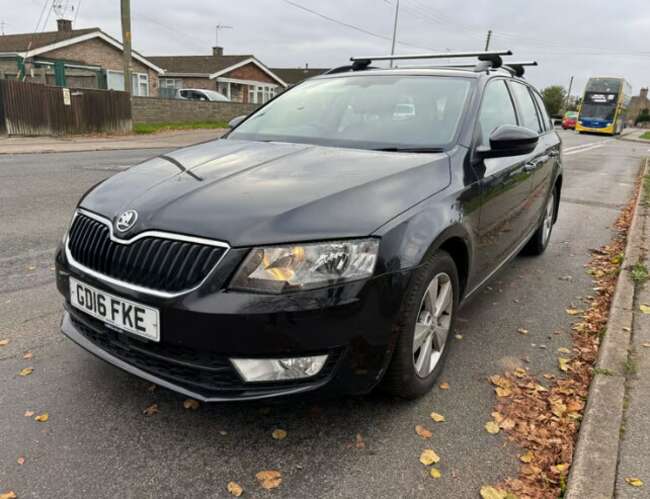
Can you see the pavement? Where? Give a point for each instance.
(98, 443)
(42, 144)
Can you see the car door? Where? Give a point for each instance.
(505, 185)
(541, 165)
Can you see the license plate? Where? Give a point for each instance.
(124, 314)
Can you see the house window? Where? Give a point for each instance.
(139, 82)
(259, 94)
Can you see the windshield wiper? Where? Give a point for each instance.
(411, 149)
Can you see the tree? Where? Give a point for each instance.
(554, 99)
(643, 117)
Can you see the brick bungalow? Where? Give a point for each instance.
(241, 78)
(81, 58)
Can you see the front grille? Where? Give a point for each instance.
(204, 372)
(151, 262)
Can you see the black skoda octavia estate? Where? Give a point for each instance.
(326, 242)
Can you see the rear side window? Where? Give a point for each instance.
(496, 110)
(527, 108)
(544, 113)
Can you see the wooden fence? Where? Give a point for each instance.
(36, 109)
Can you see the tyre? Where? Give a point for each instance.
(425, 323)
(538, 243)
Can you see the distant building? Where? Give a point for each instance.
(296, 75)
(85, 58)
(637, 104)
(241, 78)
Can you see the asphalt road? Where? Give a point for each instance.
(98, 443)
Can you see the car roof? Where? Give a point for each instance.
(412, 72)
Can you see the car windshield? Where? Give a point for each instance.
(371, 112)
(571, 115)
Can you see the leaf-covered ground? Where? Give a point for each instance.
(543, 416)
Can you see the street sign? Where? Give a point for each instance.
(66, 97)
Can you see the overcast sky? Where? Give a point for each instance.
(581, 38)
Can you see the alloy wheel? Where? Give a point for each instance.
(548, 218)
(433, 324)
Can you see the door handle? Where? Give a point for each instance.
(554, 154)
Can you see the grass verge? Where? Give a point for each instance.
(646, 136)
(144, 128)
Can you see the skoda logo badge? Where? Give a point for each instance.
(126, 220)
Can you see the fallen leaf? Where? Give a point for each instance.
(634, 482)
(4, 343)
(563, 364)
(8, 495)
(506, 424)
(645, 345)
(523, 331)
(235, 489)
(359, 443)
(520, 372)
(577, 311)
(503, 392)
(191, 404)
(564, 350)
(429, 457)
(645, 309)
(151, 410)
(270, 479)
(28, 355)
(527, 458)
(492, 427)
(500, 381)
(223, 432)
(489, 492)
(435, 473)
(444, 386)
(279, 434)
(459, 336)
(42, 418)
(560, 469)
(566, 278)
(20, 460)
(29, 414)
(26, 371)
(423, 432)
(530, 469)
(31, 267)
(558, 408)
(438, 418)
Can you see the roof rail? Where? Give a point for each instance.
(488, 59)
(514, 68)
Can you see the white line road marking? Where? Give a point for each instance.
(586, 147)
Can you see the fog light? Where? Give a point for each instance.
(279, 369)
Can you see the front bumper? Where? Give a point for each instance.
(200, 331)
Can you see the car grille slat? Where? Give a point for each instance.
(157, 263)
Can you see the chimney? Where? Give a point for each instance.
(64, 25)
(217, 51)
(644, 93)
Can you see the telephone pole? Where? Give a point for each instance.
(125, 9)
(568, 95)
(488, 39)
(392, 49)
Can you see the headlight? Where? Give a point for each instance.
(279, 269)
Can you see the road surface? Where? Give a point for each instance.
(98, 443)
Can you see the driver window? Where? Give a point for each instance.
(496, 110)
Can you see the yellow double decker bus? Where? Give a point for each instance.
(604, 105)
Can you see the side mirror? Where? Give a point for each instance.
(236, 121)
(509, 140)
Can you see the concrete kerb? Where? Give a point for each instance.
(593, 473)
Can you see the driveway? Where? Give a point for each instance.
(98, 443)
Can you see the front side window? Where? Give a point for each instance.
(548, 124)
(496, 110)
(370, 112)
(527, 109)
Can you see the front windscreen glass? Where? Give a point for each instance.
(599, 105)
(370, 112)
